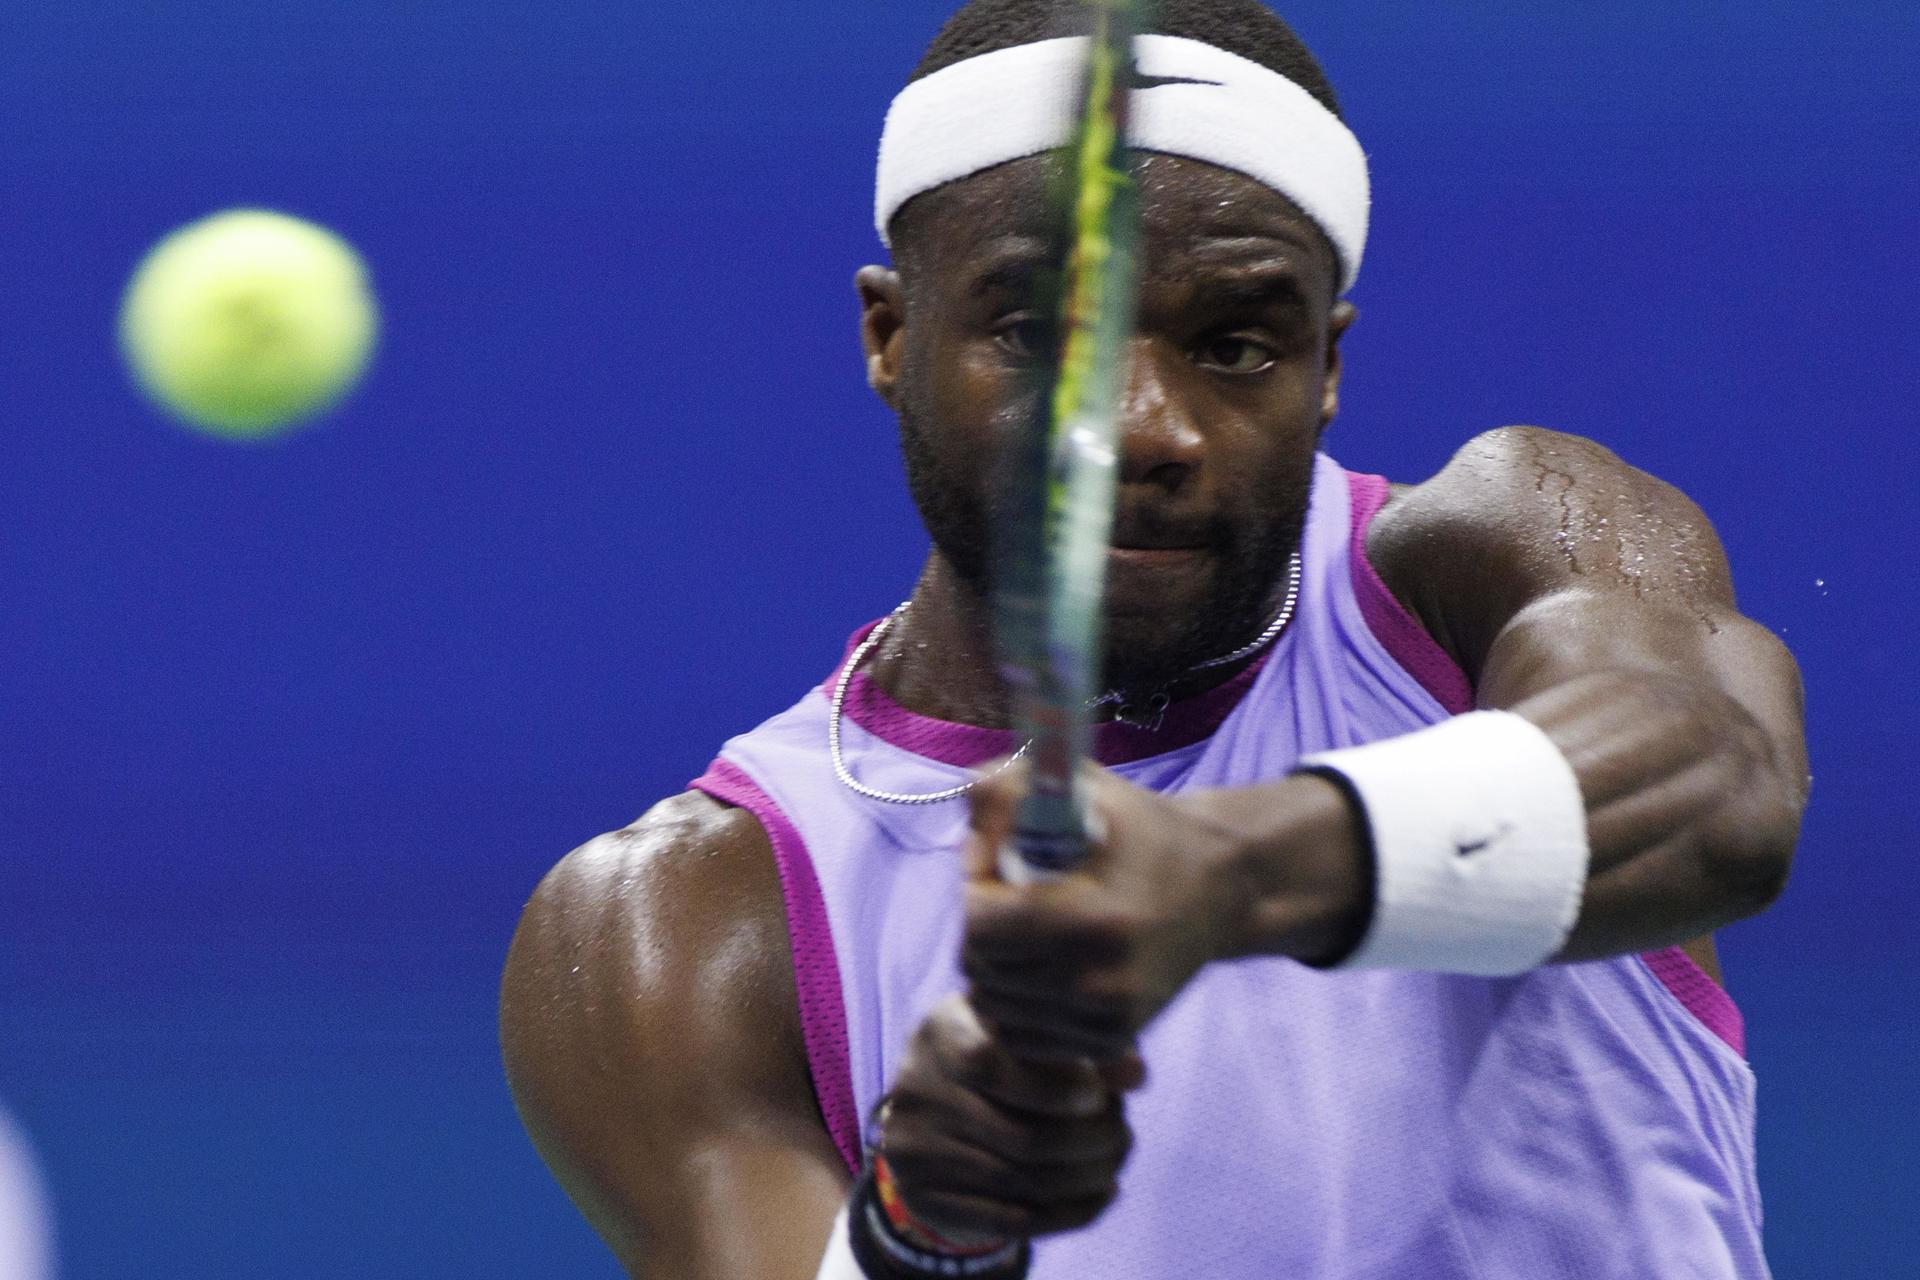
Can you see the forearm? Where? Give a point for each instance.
(1691, 817)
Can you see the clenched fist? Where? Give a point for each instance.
(985, 1146)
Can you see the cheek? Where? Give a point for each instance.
(969, 395)
(1259, 428)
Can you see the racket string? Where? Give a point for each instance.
(1157, 704)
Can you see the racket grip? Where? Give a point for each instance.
(1016, 870)
(1053, 846)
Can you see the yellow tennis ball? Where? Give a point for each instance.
(249, 322)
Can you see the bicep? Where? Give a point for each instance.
(650, 1033)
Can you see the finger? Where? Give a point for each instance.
(1043, 1031)
(1102, 1001)
(1045, 1144)
(1037, 924)
(926, 1107)
(1038, 1033)
(1068, 980)
(940, 1165)
(966, 1051)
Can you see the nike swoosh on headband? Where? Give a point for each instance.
(1141, 81)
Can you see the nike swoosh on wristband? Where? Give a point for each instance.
(1467, 848)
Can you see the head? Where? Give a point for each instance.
(1234, 371)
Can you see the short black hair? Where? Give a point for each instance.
(1244, 27)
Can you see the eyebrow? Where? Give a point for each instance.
(1264, 238)
(1271, 279)
(1240, 245)
(1013, 271)
(1260, 287)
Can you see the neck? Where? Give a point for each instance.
(938, 658)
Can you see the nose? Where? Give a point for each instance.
(1159, 443)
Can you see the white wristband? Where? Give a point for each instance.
(1479, 842)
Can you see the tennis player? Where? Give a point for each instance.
(1418, 804)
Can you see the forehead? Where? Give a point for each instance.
(1190, 212)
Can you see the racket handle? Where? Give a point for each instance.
(1016, 870)
(1028, 861)
(1050, 839)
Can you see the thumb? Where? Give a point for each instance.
(993, 807)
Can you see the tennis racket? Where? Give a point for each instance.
(1052, 553)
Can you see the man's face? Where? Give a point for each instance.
(1233, 378)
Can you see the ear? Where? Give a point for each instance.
(883, 328)
(1338, 322)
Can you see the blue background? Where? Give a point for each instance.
(288, 733)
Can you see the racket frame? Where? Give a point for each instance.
(1060, 474)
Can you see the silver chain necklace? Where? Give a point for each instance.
(1157, 704)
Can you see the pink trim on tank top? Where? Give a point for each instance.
(967, 746)
(816, 970)
(1704, 998)
(1398, 631)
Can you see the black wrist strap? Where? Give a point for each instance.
(883, 1255)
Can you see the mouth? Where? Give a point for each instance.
(1152, 557)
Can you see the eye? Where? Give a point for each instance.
(1235, 353)
(1025, 337)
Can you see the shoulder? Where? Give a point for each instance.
(674, 922)
(691, 849)
(1521, 513)
(655, 955)
(1505, 486)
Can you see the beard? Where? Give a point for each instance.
(1248, 548)
(1150, 652)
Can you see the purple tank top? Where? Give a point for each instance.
(1586, 1121)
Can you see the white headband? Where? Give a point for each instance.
(1197, 101)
